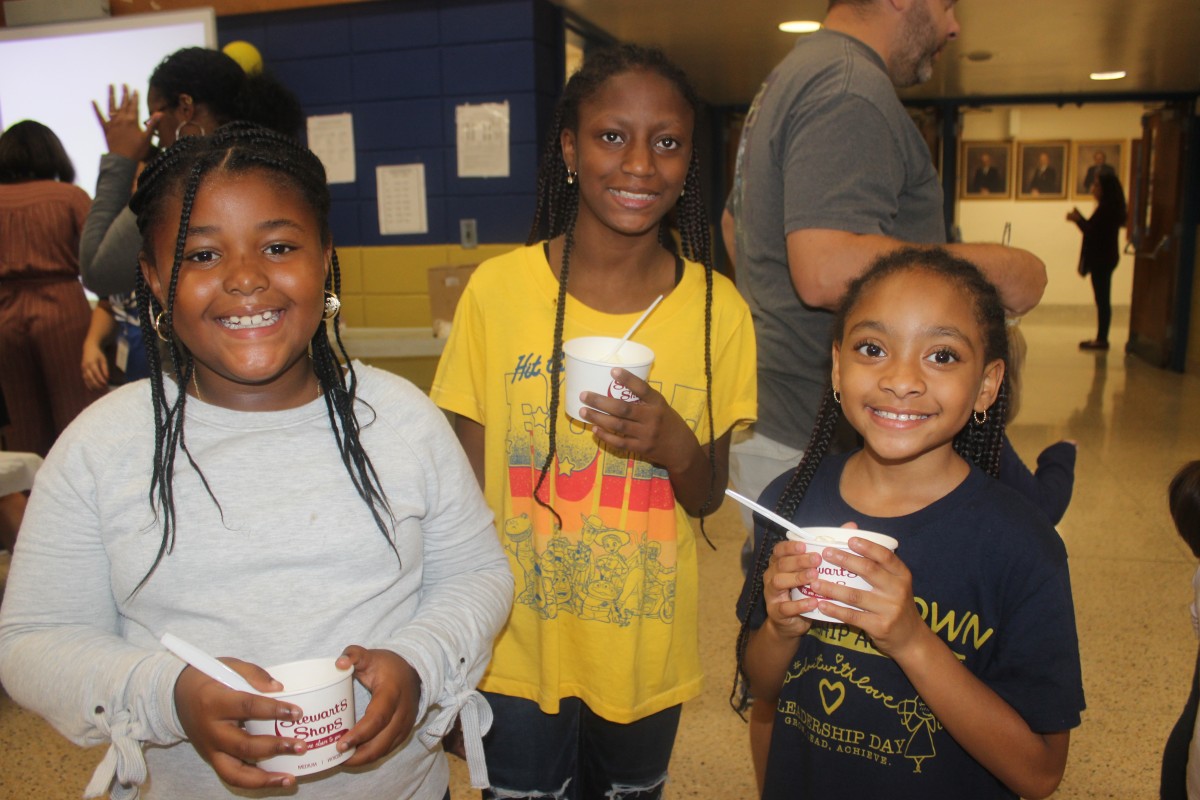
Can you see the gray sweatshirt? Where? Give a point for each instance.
(110, 242)
(290, 566)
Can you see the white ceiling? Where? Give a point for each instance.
(1038, 47)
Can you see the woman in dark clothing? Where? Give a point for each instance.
(1100, 252)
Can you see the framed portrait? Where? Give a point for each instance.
(1089, 159)
(1042, 170)
(985, 171)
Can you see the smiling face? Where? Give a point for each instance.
(250, 291)
(911, 367)
(631, 152)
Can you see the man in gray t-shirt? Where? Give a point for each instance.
(832, 173)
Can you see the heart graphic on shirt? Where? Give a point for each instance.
(832, 695)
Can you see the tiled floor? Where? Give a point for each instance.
(1135, 425)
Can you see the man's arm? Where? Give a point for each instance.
(824, 261)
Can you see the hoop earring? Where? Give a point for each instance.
(975, 417)
(571, 176)
(184, 124)
(332, 305)
(837, 397)
(156, 323)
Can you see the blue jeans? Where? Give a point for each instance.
(575, 754)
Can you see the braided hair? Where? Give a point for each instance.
(558, 205)
(236, 148)
(978, 443)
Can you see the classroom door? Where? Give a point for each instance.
(1157, 199)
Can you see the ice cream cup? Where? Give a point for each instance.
(589, 369)
(325, 695)
(838, 538)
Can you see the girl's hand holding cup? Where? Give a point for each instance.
(792, 565)
(648, 427)
(211, 715)
(395, 689)
(888, 612)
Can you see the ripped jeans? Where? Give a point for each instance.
(575, 754)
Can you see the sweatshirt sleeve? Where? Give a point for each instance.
(62, 654)
(467, 590)
(109, 245)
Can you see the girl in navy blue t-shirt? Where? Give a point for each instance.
(957, 674)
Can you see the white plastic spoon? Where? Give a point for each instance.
(207, 664)
(768, 513)
(633, 328)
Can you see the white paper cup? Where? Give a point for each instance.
(589, 371)
(838, 538)
(325, 695)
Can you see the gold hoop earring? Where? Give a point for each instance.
(156, 323)
(837, 397)
(184, 124)
(976, 419)
(332, 305)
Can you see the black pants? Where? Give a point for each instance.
(1173, 781)
(1102, 288)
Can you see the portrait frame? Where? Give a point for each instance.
(1052, 184)
(993, 184)
(1083, 162)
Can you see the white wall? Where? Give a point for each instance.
(1040, 225)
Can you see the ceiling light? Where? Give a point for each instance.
(1108, 76)
(800, 26)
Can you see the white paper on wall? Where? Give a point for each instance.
(400, 190)
(482, 140)
(331, 137)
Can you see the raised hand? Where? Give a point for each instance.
(122, 131)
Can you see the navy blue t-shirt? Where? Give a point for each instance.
(990, 578)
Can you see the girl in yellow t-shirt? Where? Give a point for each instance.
(588, 676)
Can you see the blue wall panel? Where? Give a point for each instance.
(483, 68)
(397, 73)
(487, 22)
(381, 26)
(401, 70)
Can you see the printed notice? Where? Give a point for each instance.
(401, 196)
(331, 137)
(482, 139)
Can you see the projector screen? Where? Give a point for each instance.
(52, 73)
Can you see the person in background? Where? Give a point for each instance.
(112, 327)
(1101, 251)
(44, 312)
(192, 93)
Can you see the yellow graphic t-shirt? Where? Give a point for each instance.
(605, 607)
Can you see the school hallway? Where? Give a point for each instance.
(1131, 574)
